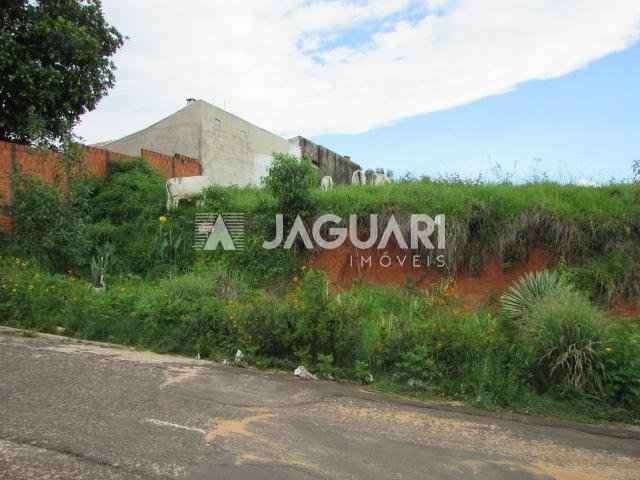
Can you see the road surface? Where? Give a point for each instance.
(71, 410)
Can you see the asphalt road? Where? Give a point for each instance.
(72, 410)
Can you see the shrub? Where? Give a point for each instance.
(262, 325)
(622, 364)
(418, 367)
(125, 210)
(568, 337)
(312, 323)
(528, 291)
(31, 297)
(182, 315)
(387, 319)
(499, 376)
(47, 226)
(131, 190)
(458, 340)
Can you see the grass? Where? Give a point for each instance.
(569, 408)
(589, 228)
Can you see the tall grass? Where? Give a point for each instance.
(568, 337)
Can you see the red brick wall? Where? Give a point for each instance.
(160, 163)
(185, 166)
(169, 167)
(5, 173)
(47, 165)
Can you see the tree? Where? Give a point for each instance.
(291, 181)
(55, 65)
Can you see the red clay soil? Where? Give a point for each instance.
(494, 279)
(343, 266)
(626, 308)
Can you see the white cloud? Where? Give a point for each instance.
(338, 13)
(253, 58)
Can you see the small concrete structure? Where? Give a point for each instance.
(181, 188)
(358, 177)
(380, 179)
(232, 151)
(326, 183)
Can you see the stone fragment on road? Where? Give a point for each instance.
(304, 374)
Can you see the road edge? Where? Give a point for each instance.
(368, 394)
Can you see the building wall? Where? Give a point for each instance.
(340, 168)
(178, 133)
(234, 151)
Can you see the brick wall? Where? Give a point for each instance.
(47, 165)
(186, 166)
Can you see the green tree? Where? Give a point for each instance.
(55, 65)
(291, 182)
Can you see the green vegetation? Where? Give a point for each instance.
(549, 347)
(528, 291)
(55, 65)
(68, 232)
(568, 338)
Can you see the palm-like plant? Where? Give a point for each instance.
(528, 290)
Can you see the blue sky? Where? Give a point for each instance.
(434, 87)
(585, 125)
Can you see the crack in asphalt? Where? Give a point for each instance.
(92, 460)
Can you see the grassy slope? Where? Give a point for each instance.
(582, 223)
(594, 229)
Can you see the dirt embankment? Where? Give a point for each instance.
(394, 266)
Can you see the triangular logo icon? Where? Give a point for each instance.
(219, 236)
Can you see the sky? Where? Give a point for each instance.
(491, 88)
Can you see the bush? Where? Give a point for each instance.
(322, 325)
(126, 210)
(568, 337)
(131, 190)
(262, 324)
(30, 297)
(500, 376)
(182, 315)
(622, 364)
(528, 291)
(418, 367)
(47, 226)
